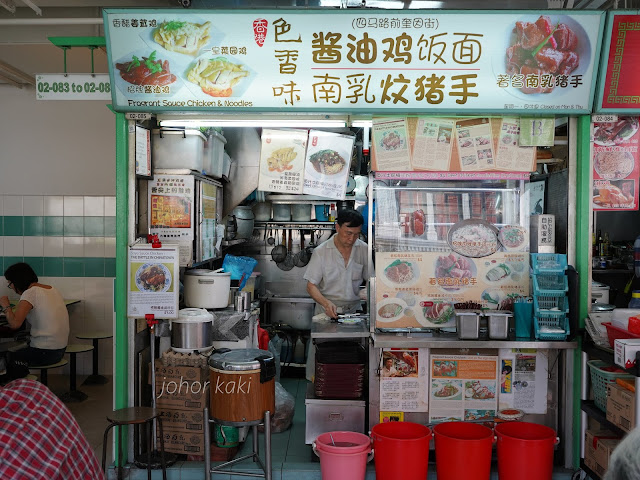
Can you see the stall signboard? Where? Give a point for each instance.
(419, 289)
(618, 89)
(463, 388)
(353, 60)
(153, 278)
(616, 164)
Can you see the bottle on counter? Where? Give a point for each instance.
(635, 299)
(636, 256)
(332, 212)
(599, 243)
(606, 245)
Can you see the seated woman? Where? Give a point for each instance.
(44, 308)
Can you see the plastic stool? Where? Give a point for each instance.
(44, 368)
(135, 416)
(74, 395)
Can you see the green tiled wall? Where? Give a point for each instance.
(12, 226)
(66, 266)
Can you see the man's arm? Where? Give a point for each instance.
(329, 308)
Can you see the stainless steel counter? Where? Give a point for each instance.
(339, 330)
(391, 340)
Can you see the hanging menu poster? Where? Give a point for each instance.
(511, 156)
(326, 167)
(390, 141)
(404, 377)
(463, 388)
(432, 144)
(475, 145)
(616, 165)
(419, 289)
(152, 281)
(282, 160)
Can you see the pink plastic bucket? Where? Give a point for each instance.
(463, 451)
(345, 461)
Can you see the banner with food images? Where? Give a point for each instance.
(463, 388)
(419, 290)
(326, 168)
(616, 165)
(282, 160)
(351, 60)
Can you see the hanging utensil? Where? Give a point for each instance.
(279, 252)
(303, 256)
(271, 240)
(311, 246)
(288, 263)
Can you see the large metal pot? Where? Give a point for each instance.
(206, 289)
(242, 385)
(192, 330)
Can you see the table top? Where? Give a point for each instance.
(78, 348)
(93, 335)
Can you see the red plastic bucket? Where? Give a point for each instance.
(463, 451)
(402, 450)
(343, 461)
(525, 451)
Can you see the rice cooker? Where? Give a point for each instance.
(599, 293)
(192, 330)
(242, 385)
(206, 289)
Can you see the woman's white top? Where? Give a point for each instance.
(49, 318)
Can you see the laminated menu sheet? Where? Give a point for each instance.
(404, 378)
(511, 155)
(475, 145)
(463, 387)
(327, 164)
(433, 144)
(282, 160)
(390, 142)
(523, 379)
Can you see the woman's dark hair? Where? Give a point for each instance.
(21, 275)
(507, 369)
(350, 217)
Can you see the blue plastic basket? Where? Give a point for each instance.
(544, 306)
(560, 322)
(550, 284)
(548, 262)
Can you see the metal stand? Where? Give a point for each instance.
(266, 467)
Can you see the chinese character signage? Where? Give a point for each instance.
(353, 60)
(419, 289)
(618, 89)
(616, 166)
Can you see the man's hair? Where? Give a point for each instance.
(350, 217)
(21, 275)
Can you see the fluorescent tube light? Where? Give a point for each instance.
(362, 123)
(301, 123)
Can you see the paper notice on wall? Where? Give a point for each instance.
(536, 131)
(390, 140)
(404, 375)
(463, 388)
(433, 144)
(327, 164)
(282, 160)
(475, 145)
(523, 380)
(171, 200)
(512, 156)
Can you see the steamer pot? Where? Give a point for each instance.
(192, 330)
(205, 289)
(242, 385)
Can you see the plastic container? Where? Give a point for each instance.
(343, 455)
(614, 333)
(600, 379)
(635, 299)
(621, 317)
(550, 284)
(548, 263)
(525, 451)
(402, 450)
(214, 150)
(523, 319)
(245, 220)
(550, 306)
(463, 451)
(178, 148)
(227, 163)
(322, 213)
(551, 328)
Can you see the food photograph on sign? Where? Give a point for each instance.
(545, 55)
(616, 164)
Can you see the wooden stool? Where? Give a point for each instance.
(31, 377)
(74, 395)
(95, 378)
(134, 416)
(44, 368)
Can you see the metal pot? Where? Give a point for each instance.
(346, 204)
(192, 330)
(206, 289)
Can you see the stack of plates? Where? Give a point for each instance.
(340, 370)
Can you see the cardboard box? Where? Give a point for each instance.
(624, 351)
(599, 444)
(183, 420)
(177, 441)
(621, 407)
(181, 387)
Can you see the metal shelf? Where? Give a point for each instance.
(312, 225)
(588, 471)
(590, 408)
(398, 340)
